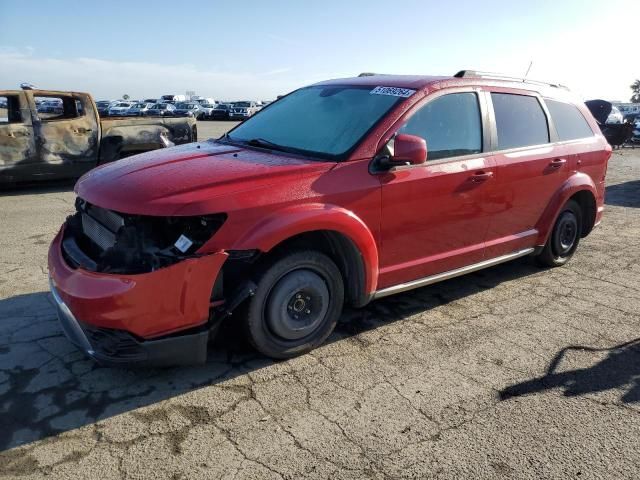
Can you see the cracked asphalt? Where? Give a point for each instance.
(512, 372)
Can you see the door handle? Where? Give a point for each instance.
(479, 177)
(558, 162)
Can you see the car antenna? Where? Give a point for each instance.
(528, 70)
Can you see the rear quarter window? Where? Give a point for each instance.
(568, 120)
(520, 121)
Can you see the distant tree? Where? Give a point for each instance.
(125, 97)
(635, 88)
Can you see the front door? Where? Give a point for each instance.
(67, 133)
(433, 215)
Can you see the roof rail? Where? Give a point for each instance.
(499, 76)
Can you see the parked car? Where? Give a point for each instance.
(220, 112)
(120, 109)
(205, 100)
(103, 107)
(617, 134)
(635, 138)
(173, 98)
(189, 109)
(139, 109)
(207, 109)
(348, 205)
(50, 106)
(161, 110)
(243, 110)
(615, 116)
(36, 147)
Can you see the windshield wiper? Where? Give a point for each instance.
(261, 142)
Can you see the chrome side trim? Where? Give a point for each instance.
(421, 282)
(70, 325)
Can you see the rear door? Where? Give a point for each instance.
(433, 215)
(17, 144)
(530, 166)
(67, 138)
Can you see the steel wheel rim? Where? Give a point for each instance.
(566, 233)
(297, 305)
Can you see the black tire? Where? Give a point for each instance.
(297, 304)
(564, 237)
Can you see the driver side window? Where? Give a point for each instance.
(451, 126)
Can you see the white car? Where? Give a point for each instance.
(615, 116)
(120, 108)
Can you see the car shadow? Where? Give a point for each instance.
(620, 369)
(625, 194)
(48, 387)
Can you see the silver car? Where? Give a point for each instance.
(139, 109)
(120, 109)
(242, 110)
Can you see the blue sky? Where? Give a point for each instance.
(258, 49)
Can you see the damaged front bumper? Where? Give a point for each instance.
(151, 319)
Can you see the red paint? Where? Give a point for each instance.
(147, 305)
(408, 224)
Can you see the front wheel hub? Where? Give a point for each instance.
(297, 304)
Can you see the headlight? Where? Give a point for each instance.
(129, 244)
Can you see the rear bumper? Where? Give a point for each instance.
(156, 318)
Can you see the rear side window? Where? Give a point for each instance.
(451, 126)
(569, 122)
(58, 107)
(520, 121)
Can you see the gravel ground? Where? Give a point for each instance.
(510, 372)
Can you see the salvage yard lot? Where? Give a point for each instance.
(509, 372)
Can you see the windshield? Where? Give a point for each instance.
(242, 104)
(324, 121)
(139, 105)
(182, 105)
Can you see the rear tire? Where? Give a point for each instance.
(564, 238)
(297, 304)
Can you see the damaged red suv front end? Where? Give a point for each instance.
(137, 279)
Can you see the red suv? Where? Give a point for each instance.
(341, 192)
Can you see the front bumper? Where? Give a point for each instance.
(151, 319)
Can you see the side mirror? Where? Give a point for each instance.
(409, 149)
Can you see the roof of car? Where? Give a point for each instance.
(415, 82)
(420, 82)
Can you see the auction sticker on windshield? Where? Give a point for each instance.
(393, 91)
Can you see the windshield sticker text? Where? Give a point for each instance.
(393, 91)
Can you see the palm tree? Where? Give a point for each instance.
(635, 88)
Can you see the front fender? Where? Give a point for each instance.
(291, 221)
(575, 183)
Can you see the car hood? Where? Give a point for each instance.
(600, 109)
(183, 180)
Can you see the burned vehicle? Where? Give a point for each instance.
(64, 136)
(336, 194)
